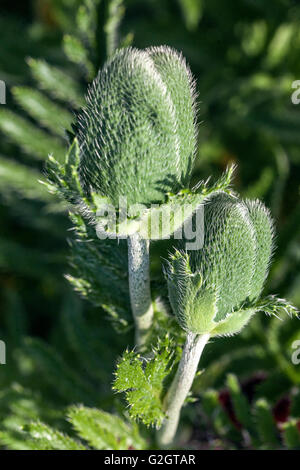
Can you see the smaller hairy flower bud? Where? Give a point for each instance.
(213, 290)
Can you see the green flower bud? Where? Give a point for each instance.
(213, 290)
(137, 133)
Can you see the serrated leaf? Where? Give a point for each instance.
(46, 438)
(21, 180)
(63, 179)
(44, 110)
(274, 306)
(31, 139)
(115, 13)
(240, 403)
(265, 423)
(104, 431)
(56, 82)
(77, 53)
(142, 382)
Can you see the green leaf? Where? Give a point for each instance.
(178, 209)
(274, 341)
(77, 53)
(15, 440)
(104, 431)
(63, 179)
(115, 13)
(99, 266)
(274, 306)
(56, 82)
(240, 404)
(45, 111)
(43, 437)
(88, 22)
(21, 180)
(291, 434)
(210, 401)
(74, 49)
(265, 424)
(192, 12)
(32, 140)
(217, 417)
(279, 45)
(142, 382)
(100, 272)
(233, 323)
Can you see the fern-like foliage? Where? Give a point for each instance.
(58, 83)
(142, 381)
(103, 430)
(99, 266)
(94, 428)
(99, 272)
(97, 34)
(79, 346)
(40, 436)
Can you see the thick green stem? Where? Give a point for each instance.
(139, 286)
(181, 386)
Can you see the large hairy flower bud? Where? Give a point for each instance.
(137, 133)
(214, 290)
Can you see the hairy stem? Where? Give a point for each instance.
(181, 386)
(139, 286)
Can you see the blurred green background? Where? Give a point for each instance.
(61, 350)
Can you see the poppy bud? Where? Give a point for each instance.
(137, 133)
(213, 290)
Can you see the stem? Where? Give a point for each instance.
(181, 386)
(139, 286)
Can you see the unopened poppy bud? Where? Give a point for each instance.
(137, 133)
(213, 290)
